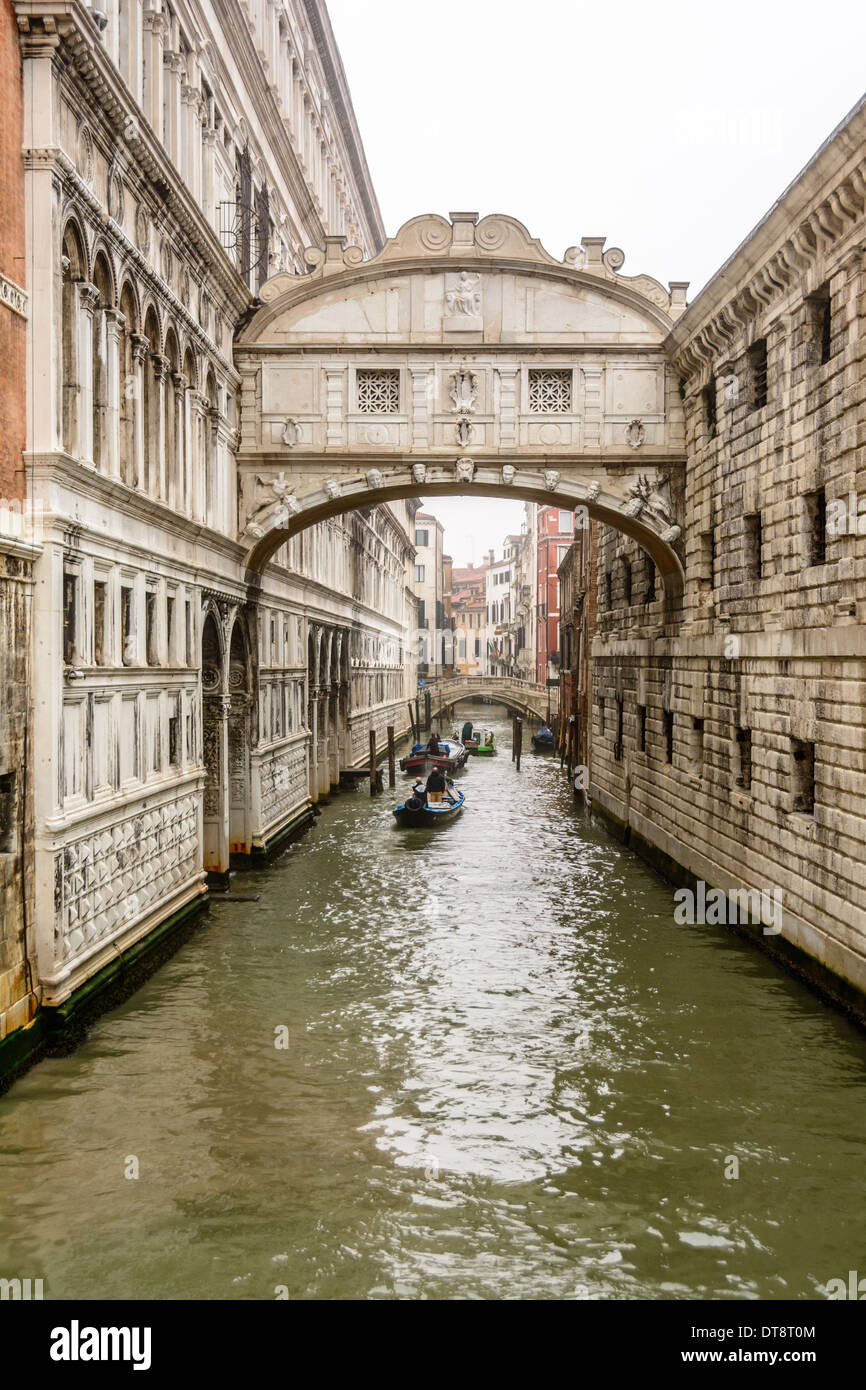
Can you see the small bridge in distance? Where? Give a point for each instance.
(526, 698)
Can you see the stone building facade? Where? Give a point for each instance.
(18, 549)
(729, 738)
(177, 155)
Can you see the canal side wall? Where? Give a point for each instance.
(729, 740)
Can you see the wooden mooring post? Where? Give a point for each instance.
(392, 758)
(518, 741)
(374, 783)
(412, 722)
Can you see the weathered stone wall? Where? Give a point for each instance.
(746, 769)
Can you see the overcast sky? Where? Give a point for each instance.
(668, 127)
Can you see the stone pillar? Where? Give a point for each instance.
(177, 487)
(87, 299)
(324, 780)
(335, 408)
(593, 406)
(507, 409)
(191, 103)
(155, 465)
(132, 58)
(173, 64)
(314, 746)
(139, 357)
(154, 25)
(208, 174)
(114, 323)
(198, 437)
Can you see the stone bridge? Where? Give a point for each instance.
(522, 696)
(463, 359)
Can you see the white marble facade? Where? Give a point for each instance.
(178, 155)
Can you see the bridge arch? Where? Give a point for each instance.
(463, 359)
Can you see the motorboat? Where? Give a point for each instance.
(487, 745)
(428, 809)
(450, 758)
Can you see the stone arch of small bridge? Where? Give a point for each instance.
(523, 697)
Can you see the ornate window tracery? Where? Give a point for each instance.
(549, 391)
(378, 390)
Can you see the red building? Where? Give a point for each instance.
(554, 532)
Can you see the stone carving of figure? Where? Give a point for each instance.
(332, 488)
(419, 472)
(464, 432)
(465, 470)
(672, 534)
(466, 298)
(464, 392)
(508, 471)
(374, 478)
(551, 479)
(275, 508)
(593, 492)
(646, 494)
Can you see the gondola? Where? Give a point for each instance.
(542, 742)
(435, 812)
(451, 759)
(487, 745)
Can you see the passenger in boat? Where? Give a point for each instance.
(467, 730)
(418, 800)
(437, 785)
(433, 745)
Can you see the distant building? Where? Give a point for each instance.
(430, 591)
(469, 616)
(554, 533)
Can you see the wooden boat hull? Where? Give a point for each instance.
(486, 750)
(425, 817)
(542, 745)
(419, 761)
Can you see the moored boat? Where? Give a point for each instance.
(451, 757)
(543, 740)
(487, 745)
(417, 814)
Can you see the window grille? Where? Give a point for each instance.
(549, 391)
(378, 391)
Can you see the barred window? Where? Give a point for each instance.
(378, 391)
(549, 391)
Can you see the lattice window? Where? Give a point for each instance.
(378, 391)
(549, 391)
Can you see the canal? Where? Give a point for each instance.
(508, 1074)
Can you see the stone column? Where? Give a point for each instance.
(198, 428)
(114, 323)
(139, 356)
(88, 297)
(324, 780)
(156, 479)
(208, 174)
(178, 495)
(190, 98)
(154, 25)
(314, 746)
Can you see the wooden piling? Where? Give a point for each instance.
(412, 721)
(519, 735)
(373, 782)
(392, 758)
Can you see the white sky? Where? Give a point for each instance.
(668, 126)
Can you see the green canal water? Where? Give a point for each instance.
(509, 1074)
